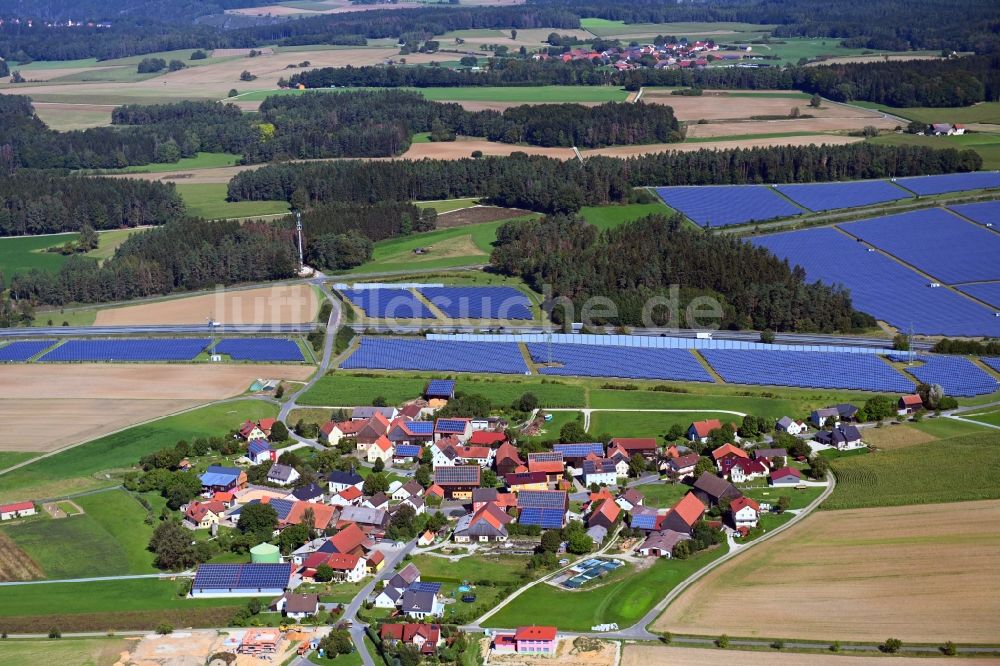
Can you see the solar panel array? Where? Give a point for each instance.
(831, 196)
(260, 349)
(541, 499)
(545, 518)
(451, 425)
(880, 286)
(421, 427)
(580, 450)
(282, 507)
(440, 387)
(479, 302)
(984, 212)
(382, 303)
(992, 361)
(864, 372)
(163, 349)
(724, 205)
(242, 576)
(611, 361)
(957, 375)
(936, 242)
(988, 292)
(546, 456)
(407, 450)
(643, 520)
(465, 474)
(950, 182)
(21, 350)
(437, 356)
(424, 586)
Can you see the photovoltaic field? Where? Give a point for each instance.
(22, 350)
(479, 302)
(950, 182)
(725, 205)
(984, 212)
(166, 349)
(388, 303)
(831, 196)
(260, 349)
(446, 356)
(958, 376)
(880, 286)
(608, 361)
(988, 292)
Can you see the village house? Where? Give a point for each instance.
(487, 438)
(710, 489)
(630, 499)
(488, 523)
(332, 432)
(661, 543)
(460, 429)
(296, 606)
(350, 496)
(744, 512)
(769, 456)
(17, 510)
(457, 482)
(367, 413)
(380, 449)
(393, 591)
(347, 568)
(726, 456)
(421, 601)
(407, 431)
(599, 472)
(520, 481)
(405, 454)
(842, 438)
(379, 501)
(218, 478)
(439, 389)
(409, 489)
(786, 476)
(530, 640)
(699, 430)
(747, 470)
(683, 515)
(644, 446)
(506, 460)
(682, 467)
(203, 515)
(474, 455)
(425, 637)
(417, 503)
(311, 493)
(282, 475)
(251, 431)
(604, 515)
(371, 521)
(374, 429)
(259, 451)
(788, 425)
(338, 480)
(549, 463)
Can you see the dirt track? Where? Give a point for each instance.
(47, 407)
(917, 573)
(644, 655)
(280, 304)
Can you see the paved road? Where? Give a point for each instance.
(183, 574)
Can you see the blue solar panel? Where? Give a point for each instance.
(957, 375)
(250, 576)
(424, 586)
(451, 425)
(831, 196)
(541, 499)
(992, 361)
(388, 303)
(644, 521)
(951, 182)
(439, 387)
(421, 427)
(546, 456)
(479, 302)
(21, 350)
(128, 349)
(935, 242)
(437, 356)
(864, 372)
(407, 450)
(580, 450)
(281, 507)
(611, 361)
(988, 292)
(984, 212)
(465, 474)
(259, 446)
(724, 205)
(260, 349)
(544, 518)
(880, 286)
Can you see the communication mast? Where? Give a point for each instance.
(298, 232)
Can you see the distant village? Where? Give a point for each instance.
(674, 55)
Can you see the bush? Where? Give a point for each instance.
(778, 644)
(198, 55)
(949, 649)
(722, 642)
(163, 629)
(891, 645)
(55, 633)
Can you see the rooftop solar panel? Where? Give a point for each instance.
(544, 518)
(242, 576)
(541, 499)
(440, 387)
(580, 450)
(421, 427)
(464, 474)
(644, 521)
(424, 586)
(546, 456)
(451, 425)
(404, 450)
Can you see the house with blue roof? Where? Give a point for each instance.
(259, 451)
(461, 429)
(223, 479)
(405, 431)
(440, 389)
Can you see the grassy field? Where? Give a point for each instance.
(77, 469)
(662, 495)
(985, 112)
(446, 205)
(109, 539)
(208, 200)
(986, 144)
(989, 416)
(9, 458)
(956, 469)
(623, 601)
(507, 569)
(199, 161)
(66, 651)
(646, 424)
(797, 499)
(19, 254)
(733, 31)
(607, 217)
(526, 94)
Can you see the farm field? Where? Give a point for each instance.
(65, 651)
(526, 94)
(984, 112)
(10, 458)
(607, 217)
(22, 253)
(724, 105)
(624, 600)
(200, 161)
(447, 205)
(75, 470)
(64, 117)
(727, 143)
(721, 31)
(865, 561)
(958, 469)
(75, 397)
(643, 655)
(988, 416)
(985, 143)
(532, 39)
(789, 127)
(647, 424)
(208, 200)
(463, 147)
(278, 304)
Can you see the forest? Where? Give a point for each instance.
(183, 255)
(954, 82)
(553, 186)
(642, 259)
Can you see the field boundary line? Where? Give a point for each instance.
(716, 377)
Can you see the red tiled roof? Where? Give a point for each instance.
(912, 400)
(535, 634)
(786, 471)
(727, 450)
(546, 466)
(383, 443)
(689, 508)
(507, 451)
(16, 506)
(635, 443)
(486, 438)
(609, 509)
(342, 561)
(350, 493)
(742, 503)
(348, 539)
(322, 514)
(435, 489)
(477, 452)
(702, 428)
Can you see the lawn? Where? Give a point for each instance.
(948, 470)
(66, 651)
(199, 161)
(716, 396)
(109, 539)
(76, 469)
(646, 424)
(608, 28)
(11, 458)
(662, 495)
(446, 205)
(987, 145)
(506, 569)
(797, 499)
(607, 217)
(550, 429)
(990, 416)
(208, 200)
(624, 601)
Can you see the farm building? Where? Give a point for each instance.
(17, 510)
(786, 476)
(489, 523)
(440, 389)
(661, 543)
(240, 580)
(222, 479)
(457, 482)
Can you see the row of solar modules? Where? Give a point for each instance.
(455, 302)
(150, 349)
(805, 369)
(224, 577)
(725, 205)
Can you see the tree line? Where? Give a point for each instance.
(551, 186)
(637, 261)
(938, 83)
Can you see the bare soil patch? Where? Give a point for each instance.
(42, 410)
(477, 215)
(280, 304)
(720, 105)
(15, 563)
(569, 652)
(914, 572)
(645, 655)
(897, 437)
(459, 246)
(325, 8)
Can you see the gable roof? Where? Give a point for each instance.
(350, 478)
(608, 509)
(742, 503)
(599, 467)
(714, 486)
(786, 471)
(258, 446)
(363, 515)
(301, 603)
(459, 475)
(452, 426)
(912, 400)
(755, 466)
(524, 478)
(702, 428)
(770, 453)
(349, 539)
(17, 506)
(280, 472)
(322, 514)
(535, 634)
(729, 450)
(487, 438)
(307, 492)
(635, 443)
(689, 509)
(217, 475)
(383, 443)
(664, 540)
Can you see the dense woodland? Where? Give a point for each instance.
(183, 255)
(549, 185)
(640, 260)
(954, 82)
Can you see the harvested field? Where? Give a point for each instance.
(530, 38)
(841, 60)
(56, 72)
(647, 149)
(749, 127)
(15, 563)
(865, 563)
(598, 653)
(487, 105)
(321, 8)
(453, 150)
(721, 105)
(476, 215)
(63, 117)
(897, 437)
(280, 304)
(31, 394)
(644, 655)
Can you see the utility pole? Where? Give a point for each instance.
(298, 231)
